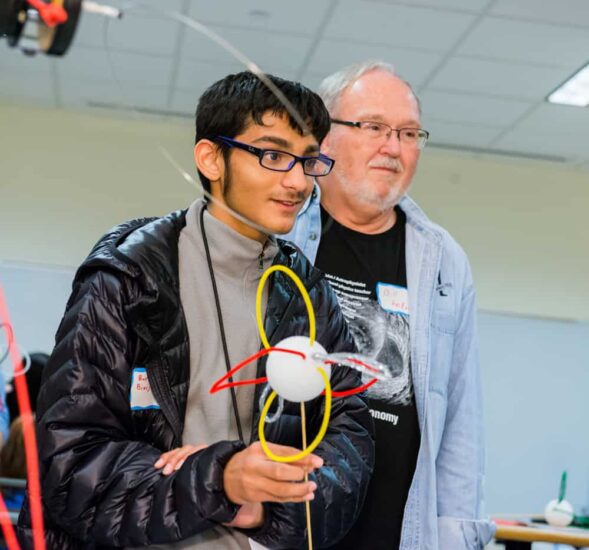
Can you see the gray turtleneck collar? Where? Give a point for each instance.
(231, 251)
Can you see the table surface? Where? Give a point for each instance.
(572, 536)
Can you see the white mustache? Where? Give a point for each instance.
(389, 164)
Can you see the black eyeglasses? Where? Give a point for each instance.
(281, 161)
(375, 130)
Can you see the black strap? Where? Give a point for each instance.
(221, 325)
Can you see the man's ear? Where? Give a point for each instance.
(209, 160)
(325, 144)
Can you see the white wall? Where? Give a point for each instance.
(36, 297)
(536, 382)
(524, 225)
(67, 177)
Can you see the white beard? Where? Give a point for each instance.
(362, 191)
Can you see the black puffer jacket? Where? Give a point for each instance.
(99, 486)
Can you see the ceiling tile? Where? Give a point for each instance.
(150, 6)
(78, 95)
(494, 78)
(463, 5)
(570, 145)
(270, 51)
(21, 87)
(96, 65)
(395, 25)
(448, 133)
(521, 41)
(470, 108)
(133, 32)
(573, 12)
(142, 6)
(312, 80)
(559, 119)
(195, 76)
(185, 102)
(303, 17)
(512, 59)
(12, 59)
(331, 55)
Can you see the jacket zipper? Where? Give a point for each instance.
(261, 256)
(163, 394)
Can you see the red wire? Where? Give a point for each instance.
(353, 391)
(218, 385)
(24, 405)
(7, 528)
(359, 389)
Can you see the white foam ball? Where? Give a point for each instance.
(559, 514)
(292, 377)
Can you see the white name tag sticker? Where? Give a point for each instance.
(141, 396)
(393, 298)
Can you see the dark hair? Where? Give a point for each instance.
(33, 378)
(230, 104)
(13, 462)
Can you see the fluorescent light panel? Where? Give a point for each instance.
(575, 91)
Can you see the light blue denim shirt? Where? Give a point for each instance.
(444, 509)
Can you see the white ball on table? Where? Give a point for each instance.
(559, 513)
(292, 377)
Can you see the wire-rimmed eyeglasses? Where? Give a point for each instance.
(375, 130)
(281, 161)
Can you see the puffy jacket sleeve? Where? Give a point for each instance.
(347, 450)
(99, 483)
(460, 463)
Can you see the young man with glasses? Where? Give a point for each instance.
(160, 310)
(406, 289)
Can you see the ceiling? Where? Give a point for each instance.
(482, 68)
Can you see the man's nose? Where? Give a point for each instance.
(392, 145)
(295, 178)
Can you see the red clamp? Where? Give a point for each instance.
(53, 14)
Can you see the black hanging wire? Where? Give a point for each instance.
(221, 324)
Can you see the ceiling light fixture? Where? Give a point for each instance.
(575, 91)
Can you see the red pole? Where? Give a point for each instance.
(24, 406)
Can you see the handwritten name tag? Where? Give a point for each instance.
(393, 298)
(141, 396)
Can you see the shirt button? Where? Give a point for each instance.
(313, 236)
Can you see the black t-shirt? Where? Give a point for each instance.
(369, 276)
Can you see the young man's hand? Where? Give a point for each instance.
(173, 460)
(251, 477)
(250, 516)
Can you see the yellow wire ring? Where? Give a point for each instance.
(316, 441)
(303, 292)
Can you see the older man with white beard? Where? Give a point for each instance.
(405, 287)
